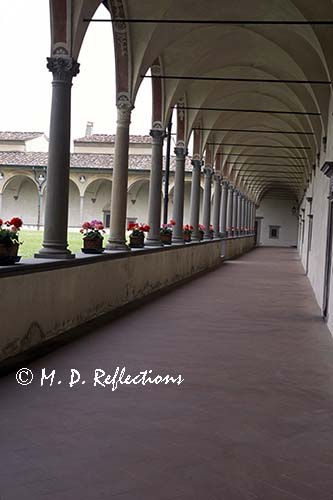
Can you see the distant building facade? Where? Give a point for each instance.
(23, 175)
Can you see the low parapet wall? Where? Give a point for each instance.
(42, 300)
(235, 247)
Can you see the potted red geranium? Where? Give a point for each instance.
(166, 232)
(9, 240)
(187, 231)
(137, 236)
(93, 236)
(202, 229)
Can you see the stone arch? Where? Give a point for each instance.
(74, 219)
(97, 201)
(137, 200)
(20, 199)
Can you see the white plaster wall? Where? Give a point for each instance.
(320, 191)
(74, 206)
(103, 201)
(277, 212)
(40, 144)
(94, 149)
(26, 204)
(140, 209)
(103, 148)
(12, 146)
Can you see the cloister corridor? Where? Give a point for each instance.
(252, 419)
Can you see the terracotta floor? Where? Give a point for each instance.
(253, 418)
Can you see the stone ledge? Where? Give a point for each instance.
(29, 266)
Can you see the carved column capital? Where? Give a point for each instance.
(124, 107)
(180, 152)
(157, 136)
(196, 164)
(217, 177)
(208, 171)
(225, 184)
(63, 68)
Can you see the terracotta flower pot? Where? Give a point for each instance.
(137, 241)
(187, 237)
(166, 238)
(9, 250)
(92, 245)
(201, 233)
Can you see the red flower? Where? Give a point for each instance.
(16, 221)
(1, 222)
(172, 222)
(86, 225)
(131, 226)
(146, 228)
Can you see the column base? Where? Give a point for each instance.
(117, 246)
(178, 241)
(195, 238)
(45, 253)
(153, 243)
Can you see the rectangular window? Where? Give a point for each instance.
(274, 232)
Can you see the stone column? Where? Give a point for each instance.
(223, 210)
(81, 208)
(117, 239)
(234, 213)
(216, 205)
(247, 216)
(1, 197)
(242, 215)
(254, 218)
(229, 210)
(239, 213)
(178, 196)
(56, 211)
(207, 200)
(251, 217)
(195, 199)
(155, 188)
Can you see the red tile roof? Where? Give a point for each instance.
(110, 139)
(83, 160)
(19, 136)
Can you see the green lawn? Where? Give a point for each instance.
(32, 242)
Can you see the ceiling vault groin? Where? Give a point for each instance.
(251, 85)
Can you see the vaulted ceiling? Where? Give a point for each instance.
(270, 128)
